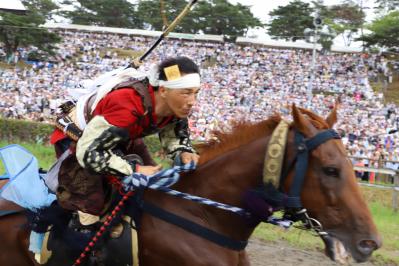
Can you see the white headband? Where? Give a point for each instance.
(187, 81)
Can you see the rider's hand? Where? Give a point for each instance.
(149, 170)
(187, 157)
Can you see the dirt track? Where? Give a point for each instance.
(268, 254)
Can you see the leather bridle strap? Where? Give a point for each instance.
(192, 227)
(304, 146)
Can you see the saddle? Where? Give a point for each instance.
(63, 248)
(65, 239)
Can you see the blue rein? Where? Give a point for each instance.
(288, 202)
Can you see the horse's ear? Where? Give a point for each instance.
(302, 123)
(332, 117)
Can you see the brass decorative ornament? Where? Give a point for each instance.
(275, 154)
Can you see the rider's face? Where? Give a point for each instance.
(180, 101)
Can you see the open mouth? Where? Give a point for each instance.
(335, 250)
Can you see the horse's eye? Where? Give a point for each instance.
(331, 171)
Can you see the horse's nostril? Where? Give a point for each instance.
(367, 246)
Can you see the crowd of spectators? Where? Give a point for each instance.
(239, 83)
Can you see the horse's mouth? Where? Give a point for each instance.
(335, 249)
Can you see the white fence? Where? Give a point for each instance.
(395, 187)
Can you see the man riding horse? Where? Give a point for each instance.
(116, 117)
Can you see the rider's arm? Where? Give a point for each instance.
(94, 149)
(175, 138)
(109, 127)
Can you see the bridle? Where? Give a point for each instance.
(273, 180)
(270, 192)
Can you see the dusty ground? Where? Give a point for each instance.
(264, 253)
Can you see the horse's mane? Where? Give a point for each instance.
(241, 133)
(244, 132)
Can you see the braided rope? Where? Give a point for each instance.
(173, 173)
(164, 179)
(205, 201)
(161, 181)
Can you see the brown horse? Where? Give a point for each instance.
(13, 236)
(226, 171)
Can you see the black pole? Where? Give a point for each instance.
(136, 63)
(144, 56)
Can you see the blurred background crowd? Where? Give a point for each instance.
(238, 83)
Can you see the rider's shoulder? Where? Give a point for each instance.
(123, 94)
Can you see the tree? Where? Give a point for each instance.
(345, 19)
(150, 14)
(327, 36)
(384, 31)
(24, 30)
(223, 18)
(208, 16)
(384, 6)
(289, 22)
(109, 13)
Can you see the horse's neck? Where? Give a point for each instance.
(225, 179)
(228, 176)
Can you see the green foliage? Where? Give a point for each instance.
(153, 144)
(35, 137)
(23, 30)
(155, 149)
(24, 131)
(149, 14)
(345, 19)
(326, 42)
(384, 6)
(348, 13)
(110, 13)
(45, 154)
(209, 16)
(384, 31)
(289, 22)
(223, 18)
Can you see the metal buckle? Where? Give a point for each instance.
(301, 147)
(311, 224)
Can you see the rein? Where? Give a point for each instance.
(273, 179)
(271, 190)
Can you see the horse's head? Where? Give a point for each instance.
(330, 192)
(313, 181)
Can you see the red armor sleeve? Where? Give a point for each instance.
(119, 107)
